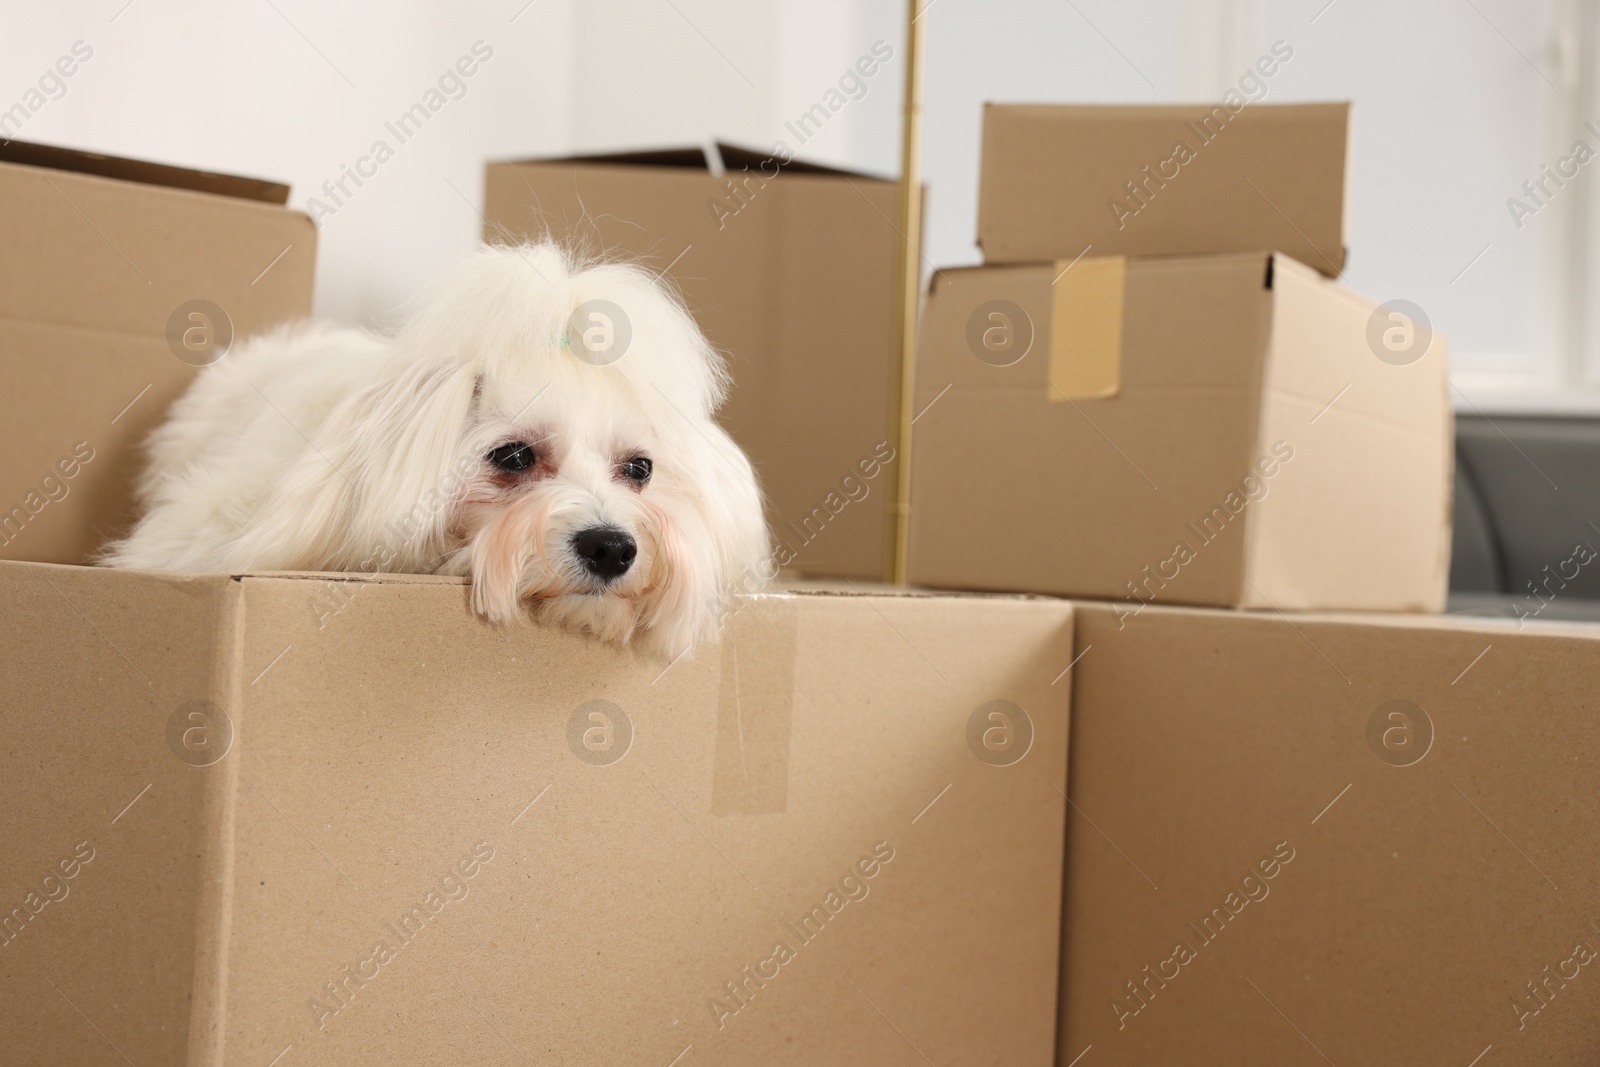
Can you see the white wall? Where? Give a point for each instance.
(1447, 124)
(654, 73)
(237, 88)
(295, 91)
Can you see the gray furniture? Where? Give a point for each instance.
(1527, 518)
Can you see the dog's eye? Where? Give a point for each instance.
(636, 469)
(515, 457)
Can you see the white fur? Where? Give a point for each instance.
(323, 448)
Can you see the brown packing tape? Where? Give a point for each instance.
(755, 705)
(1086, 329)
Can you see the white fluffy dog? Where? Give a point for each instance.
(545, 427)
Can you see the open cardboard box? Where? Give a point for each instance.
(120, 278)
(789, 269)
(338, 819)
(1225, 430)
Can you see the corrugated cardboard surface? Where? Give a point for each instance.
(1226, 363)
(1383, 434)
(93, 666)
(793, 279)
(1267, 176)
(1017, 487)
(94, 267)
(404, 740)
(1421, 899)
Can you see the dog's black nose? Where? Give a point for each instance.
(606, 551)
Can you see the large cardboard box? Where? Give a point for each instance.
(1229, 430)
(1332, 840)
(119, 279)
(407, 837)
(1058, 181)
(789, 269)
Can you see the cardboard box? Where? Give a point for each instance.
(406, 837)
(1332, 840)
(1060, 181)
(789, 269)
(119, 279)
(1215, 430)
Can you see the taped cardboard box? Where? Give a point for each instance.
(1332, 840)
(1058, 181)
(406, 837)
(1229, 430)
(789, 269)
(120, 278)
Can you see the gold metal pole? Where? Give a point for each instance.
(909, 290)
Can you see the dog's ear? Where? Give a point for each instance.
(717, 540)
(376, 489)
(738, 520)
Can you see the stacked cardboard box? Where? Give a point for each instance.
(1154, 394)
(1292, 836)
(1176, 180)
(1212, 425)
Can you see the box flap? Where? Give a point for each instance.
(786, 586)
(79, 161)
(695, 158)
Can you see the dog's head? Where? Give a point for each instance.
(547, 428)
